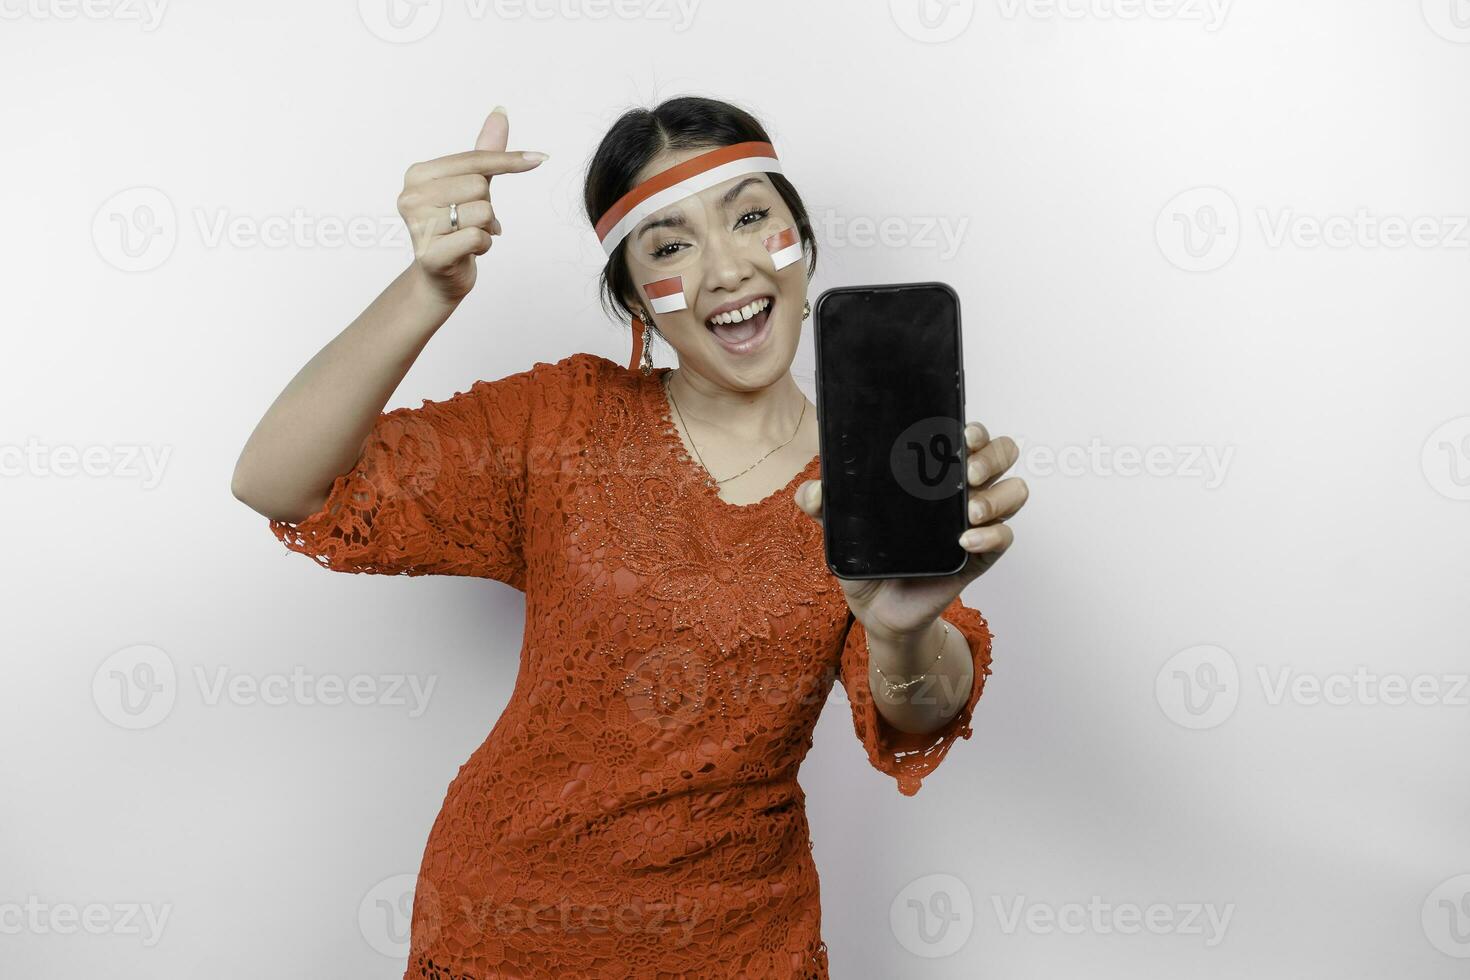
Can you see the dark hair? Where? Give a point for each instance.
(637, 137)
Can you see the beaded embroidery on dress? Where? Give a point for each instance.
(635, 811)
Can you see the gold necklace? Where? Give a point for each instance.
(669, 387)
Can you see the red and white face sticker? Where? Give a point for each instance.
(666, 295)
(785, 247)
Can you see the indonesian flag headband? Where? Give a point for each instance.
(666, 292)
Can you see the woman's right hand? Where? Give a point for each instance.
(443, 256)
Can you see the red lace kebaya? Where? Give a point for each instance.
(635, 811)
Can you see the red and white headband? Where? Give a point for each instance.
(680, 181)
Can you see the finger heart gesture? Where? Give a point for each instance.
(446, 204)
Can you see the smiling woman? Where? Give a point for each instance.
(635, 810)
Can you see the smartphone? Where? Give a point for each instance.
(890, 412)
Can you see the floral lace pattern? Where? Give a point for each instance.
(635, 811)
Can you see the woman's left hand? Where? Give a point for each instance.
(895, 607)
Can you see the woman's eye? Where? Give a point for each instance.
(758, 212)
(670, 247)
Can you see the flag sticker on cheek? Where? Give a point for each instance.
(785, 247)
(666, 295)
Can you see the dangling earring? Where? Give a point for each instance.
(806, 309)
(645, 365)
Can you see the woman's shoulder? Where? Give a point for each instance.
(568, 387)
(588, 369)
(579, 370)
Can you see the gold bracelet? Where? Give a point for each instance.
(900, 688)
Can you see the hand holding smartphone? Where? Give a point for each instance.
(890, 412)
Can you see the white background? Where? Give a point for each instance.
(1135, 745)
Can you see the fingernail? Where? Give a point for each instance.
(500, 109)
(971, 537)
(535, 155)
(976, 512)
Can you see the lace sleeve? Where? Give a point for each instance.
(437, 490)
(908, 757)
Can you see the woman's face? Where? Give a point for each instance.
(714, 244)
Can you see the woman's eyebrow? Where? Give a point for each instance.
(675, 220)
(736, 191)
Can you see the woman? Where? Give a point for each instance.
(635, 811)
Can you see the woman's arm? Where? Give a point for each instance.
(931, 703)
(314, 430)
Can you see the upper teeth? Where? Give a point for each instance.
(744, 313)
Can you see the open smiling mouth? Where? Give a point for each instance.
(743, 330)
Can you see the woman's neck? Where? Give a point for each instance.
(741, 420)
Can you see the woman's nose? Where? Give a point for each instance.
(728, 261)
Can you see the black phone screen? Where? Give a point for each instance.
(890, 409)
